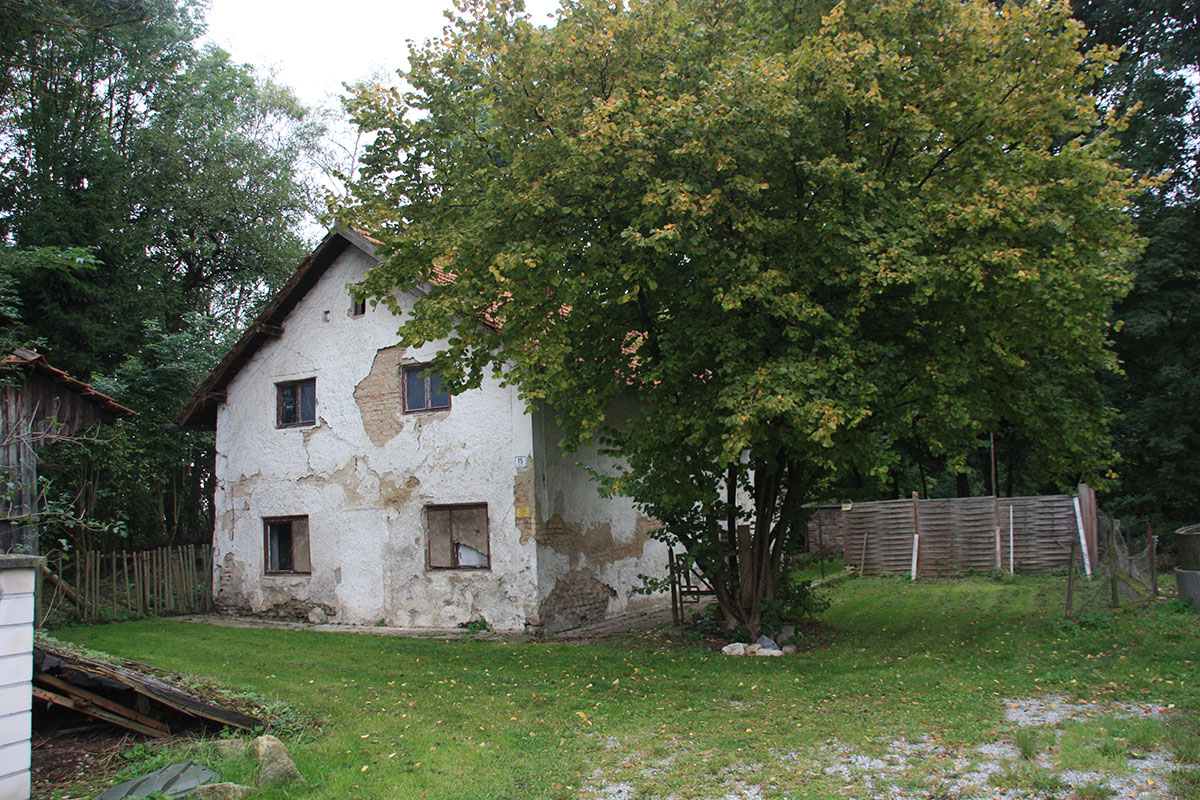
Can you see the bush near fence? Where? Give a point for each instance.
(956, 535)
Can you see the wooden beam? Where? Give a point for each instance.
(94, 711)
(85, 696)
(54, 580)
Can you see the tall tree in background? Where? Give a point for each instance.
(152, 193)
(784, 241)
(1158, 433)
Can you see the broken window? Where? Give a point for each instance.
(296, 403)
(285, 540)
(458, 537)
(423, 390)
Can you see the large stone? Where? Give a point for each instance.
(789, 649)
(786, 634)
(220, 791)
(767, 643)
(769, 651)
(317, 616)
(276, 766)
(734, 649)
(230, 748)
(260, 744)
(752, 649)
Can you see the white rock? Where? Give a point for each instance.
(769, 651)
(734, 649)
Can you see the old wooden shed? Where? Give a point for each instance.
(41, 406)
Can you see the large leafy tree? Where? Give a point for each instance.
(180, 169)
(152, 193)
(784, 238)
(1158, 433)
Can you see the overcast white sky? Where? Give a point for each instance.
(315, 46)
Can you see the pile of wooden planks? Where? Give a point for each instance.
(123, 695)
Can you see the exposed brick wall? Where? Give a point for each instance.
(576, 600)
(293, 610)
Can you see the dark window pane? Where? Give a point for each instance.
(287, 405)
(414, 390)
(438, 397)
(308, 402)
(279, 542)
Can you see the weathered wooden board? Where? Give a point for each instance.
(61, 664)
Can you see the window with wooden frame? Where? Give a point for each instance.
(296, 403)
(458, 537)
(423, 390)
(285, 546)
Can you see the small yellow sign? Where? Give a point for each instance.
(523, 512)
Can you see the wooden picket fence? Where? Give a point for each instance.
(955, 536)
(162, 581)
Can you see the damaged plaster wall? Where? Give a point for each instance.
(364, 475)
(591, 549)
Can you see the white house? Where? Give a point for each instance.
(352, 488)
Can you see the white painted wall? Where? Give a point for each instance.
(364, 486)
(583, 535)
(16, 674)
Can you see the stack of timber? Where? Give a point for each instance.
(124, 693)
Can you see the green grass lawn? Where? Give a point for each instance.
(931, 666)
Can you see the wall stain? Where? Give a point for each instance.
(596, 544)
(525, 497)
(345, 477)
(394, 495)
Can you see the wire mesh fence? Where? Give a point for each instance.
(1125, 571)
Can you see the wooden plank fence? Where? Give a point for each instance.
(954, 536)
(162, 581)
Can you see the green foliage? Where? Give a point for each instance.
(1028, 742)
(793, 601)
(732, 244)
(1027, 777)
(151, 196)
(1093, 791)
(1158, 335)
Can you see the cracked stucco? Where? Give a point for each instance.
(364, 474)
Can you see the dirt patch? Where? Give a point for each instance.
(67, 759)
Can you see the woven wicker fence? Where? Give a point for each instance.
(954, 536)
